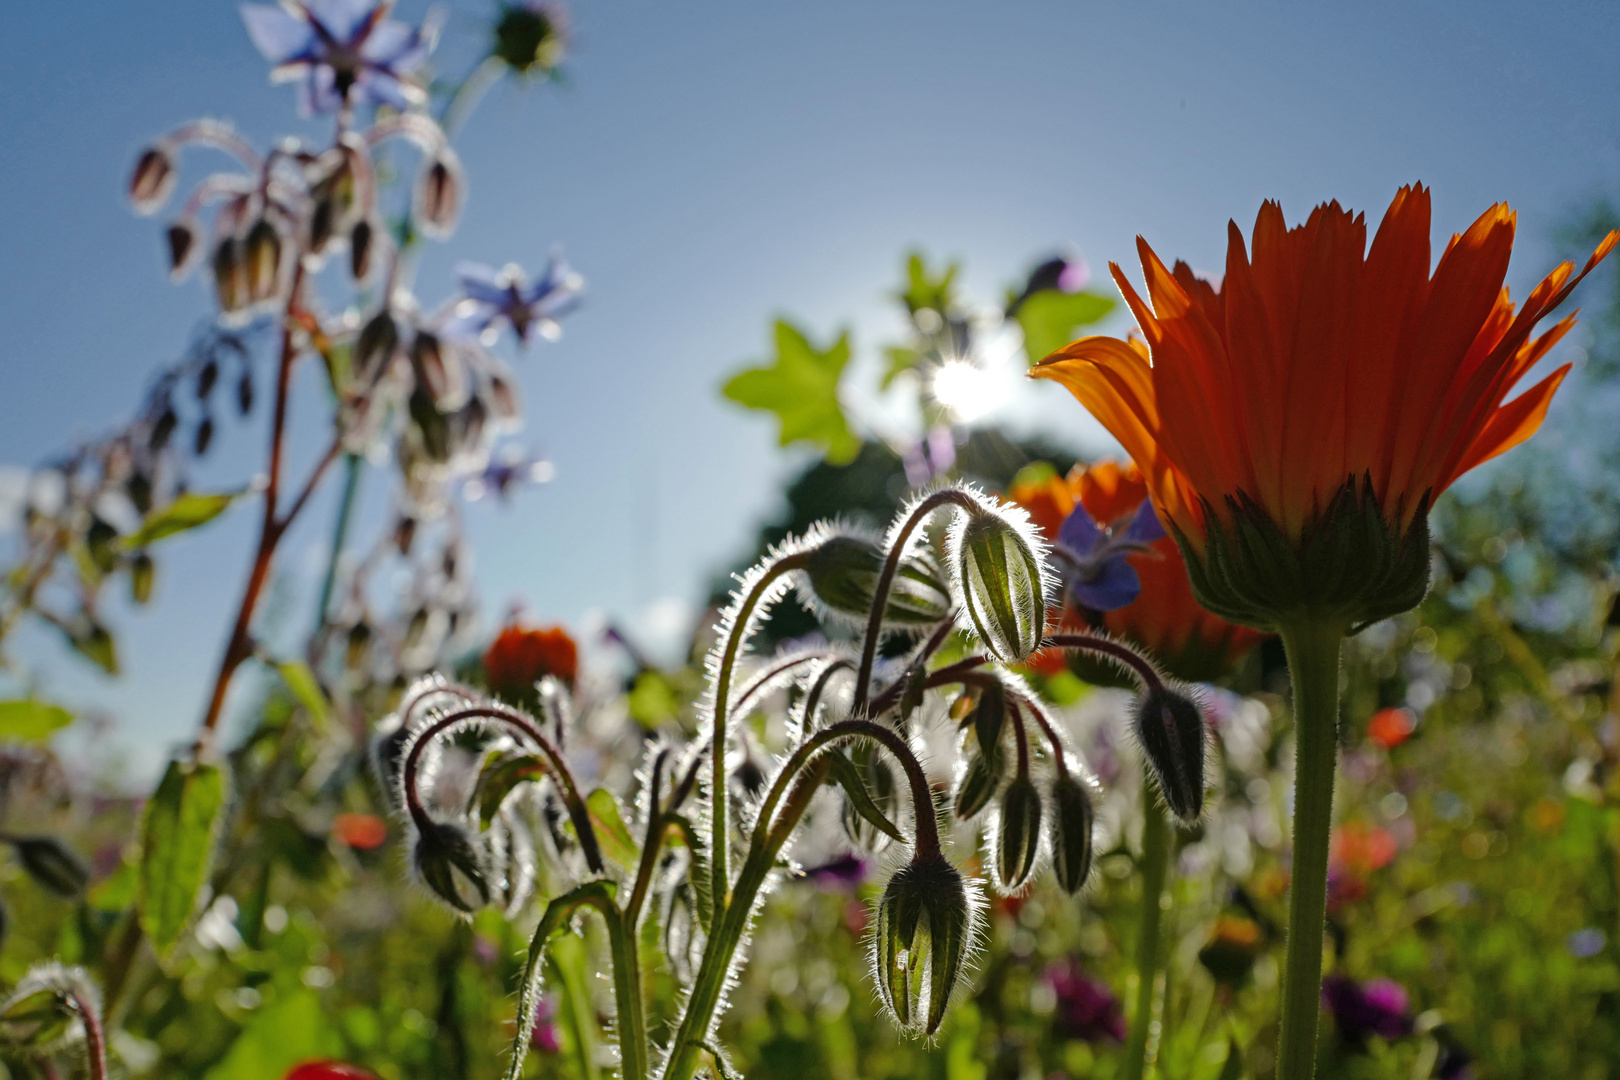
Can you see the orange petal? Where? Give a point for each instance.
(1510, 425)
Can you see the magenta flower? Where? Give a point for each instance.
(341, 52)
(1086, 1008)
(1360, 1010)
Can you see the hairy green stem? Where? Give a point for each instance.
(1313, 665)
(1155, 865)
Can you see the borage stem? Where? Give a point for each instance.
(1313, 665)
(1154, 864)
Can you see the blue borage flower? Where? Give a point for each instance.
(496, 295)
(342, 52)
(1094, 562)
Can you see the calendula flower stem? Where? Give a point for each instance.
(1154, 864)
(1313, 665)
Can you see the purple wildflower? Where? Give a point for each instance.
(1360, 1010)
(1086, 1008)
(839, 874)
(494, 295)
(341, 52)
(1096, 572)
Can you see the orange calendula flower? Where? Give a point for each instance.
(1165, 618)
(1295, 421)
(520, 657)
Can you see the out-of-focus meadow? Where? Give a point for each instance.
(340, 870)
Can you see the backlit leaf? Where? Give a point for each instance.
(177, 844)
(31, 721)
(800, 385)
(186, 512)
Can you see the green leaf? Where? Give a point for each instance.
(652, 700)
(177, 848)
(898, 359)
(301, 682)
(498, 779)
(95, 643)
(295, 1027)
(186, 512)
(800, 385)
(31, 721)
(925, 290)
(1050, 319)
(611, 833)
(845, 775)
(1233, 1069)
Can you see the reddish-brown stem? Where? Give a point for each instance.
(95, 1041)
(1138, 665)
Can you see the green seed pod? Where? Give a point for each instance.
(360, 250)
(439, 194)
(231, 275)
(980, 780)
(1170, 729)
(452, 863)
(1018, 834)
(52, 863)
(142, 574)
(925, 921)
(1000, 575)
(1073, 818)
(841, 575)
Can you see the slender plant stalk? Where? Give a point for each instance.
(353, 464)
(1155, 866)
(1313, 664)
(95, 1038)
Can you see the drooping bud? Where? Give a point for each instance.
(1073, 817)
(842, 572)
(452, 863)
(244, 392)
(52, 863)
(1000, 576)
(356, 645)
(439, 374)
(920, 942)
(1018, 834)
(262, 254)
(142, 573)
(375, 347)
(204, 436)
(439, 194)
(530, 37)
(432, 427)
(1170, 728)
(503, 399)
(231, 276)
(152, 179)
(980, 779)
(322, 222)
(182, 241)
(360, 250)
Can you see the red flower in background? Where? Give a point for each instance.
(363, 832)
(329, 1070)
(1390, 727)
(1165, 618)
(519, 657)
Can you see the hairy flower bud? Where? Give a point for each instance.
(182, 242)
(142, 574)
(925, 921)
(842, 573)
(152, 179)
(439, 195)
(1000, 576)
(454, 864)
(360, 250)
(439, 374)
(1072, 819)
(980, 779)
(1170, 729)
(262, 255)
(43, 1012)
(52, 863)
(1018, 834)
(231, 276)
(374, 347)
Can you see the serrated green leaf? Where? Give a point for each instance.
(498, 779)
(27, 720)
(301, 682)
(842, 772)
(186, 512)
(1050, 319)
(177, 848)
(898, 359)
(800, 385)
(925, 290)
(611, 833)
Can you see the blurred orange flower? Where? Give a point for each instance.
(1165, 618)
(1390, 727)
(1318, 361)
(1359, 848)
(363, 832)
(518, 658)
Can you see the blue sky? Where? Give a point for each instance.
(710, 166)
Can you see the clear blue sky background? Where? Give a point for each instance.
(711, 165)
